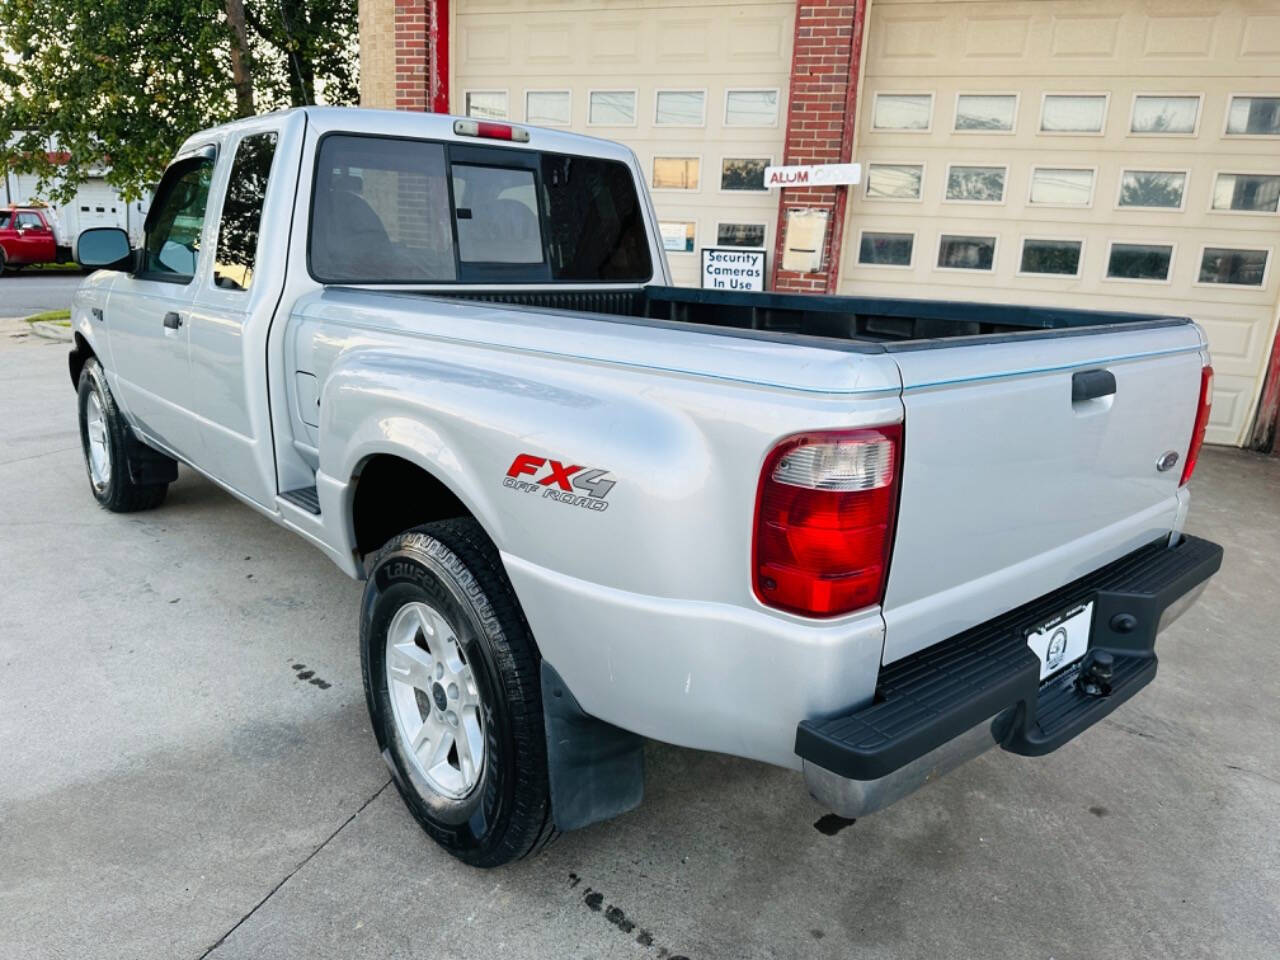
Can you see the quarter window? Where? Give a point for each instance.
(989, 113)
(680, 108)
(966, 253)
(1063, 187)
(1139, 261)
(976, 184)
(1254, 116)
(902, 111)
(237, 252)
(1253, 192)
(487, 104)
(612, 108)
(175, 221)
(894, 181)
(675, 173)
(1169, 115)
(1073, 113)
(740, 235)
(548, 108)
(751, 108)
(1155, 189)
(1053, 257)
(743, 173)
(1245, 268)
(886, 249)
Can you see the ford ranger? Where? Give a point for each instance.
(861, 538)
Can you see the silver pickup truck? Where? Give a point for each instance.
(861, 538)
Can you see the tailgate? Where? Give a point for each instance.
(1010, 489)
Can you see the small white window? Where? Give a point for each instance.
(966, 253)
(1153, 189)
(1073, 113)
(976, 184)
(1240, 268)
(612, 108)
(1140, 261)
(894, 181)
(676, 173)
(1051, 257)
(882, 249)
(751, 108)
(548, 108)
(678, 236)
(1254, 116)
(1247, 192)
(985, 112)
(903, 111)
(680, 108)
(1165, 115)
(1061, 187)
(740, 235)
(487, 104)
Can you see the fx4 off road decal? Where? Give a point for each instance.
(572, 484)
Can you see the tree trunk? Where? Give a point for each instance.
(240, 68)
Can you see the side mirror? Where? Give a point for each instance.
(104, 248)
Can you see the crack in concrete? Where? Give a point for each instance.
(289, 876)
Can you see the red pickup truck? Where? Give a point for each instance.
(27, 236)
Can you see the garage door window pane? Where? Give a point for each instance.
(743, 173)
(497, 215)
(1057, 257)
(1061, 187)
(547, 107)
(1152, 188)
(976, 184)
(1165, 114)
(886, 249)
(894, 181)
(902, 111)
(1246, 268)
(1254, 116)
(740, 235)
(1073, 114)
(985, 112)
(677, 236)
(242, 212)
(966, 253)
(612, 108)
(1139, 261)
(675, 173)
(487, 104)
(680, 108)
(1259, 193)
(751, 108)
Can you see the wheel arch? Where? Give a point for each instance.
(79, 355)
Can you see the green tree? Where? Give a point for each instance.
(123, 82)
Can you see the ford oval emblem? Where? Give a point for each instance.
(1167, 460)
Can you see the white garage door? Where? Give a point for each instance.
(1121, 155)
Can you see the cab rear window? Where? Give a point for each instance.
(407, 211)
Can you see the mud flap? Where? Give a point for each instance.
(596, 769)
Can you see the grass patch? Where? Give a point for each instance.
(61, 317)
(70, 267)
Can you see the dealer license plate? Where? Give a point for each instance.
(1063, 640)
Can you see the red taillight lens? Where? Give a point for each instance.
(824, 520)
(1202, 421)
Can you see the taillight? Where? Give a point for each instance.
(824, 520)
(1202, 421)
(490, 131)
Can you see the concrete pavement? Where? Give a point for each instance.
(172, 788)
(33, 291)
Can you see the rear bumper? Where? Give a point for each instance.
(939, 707)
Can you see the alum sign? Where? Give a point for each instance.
(813, 175)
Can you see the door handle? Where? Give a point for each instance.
(172, 321)
(1092, 385)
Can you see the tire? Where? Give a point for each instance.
(105, 441)
(4, 263)
(439, 605)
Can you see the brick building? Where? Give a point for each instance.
(1110, 153)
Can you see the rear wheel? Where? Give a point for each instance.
(104, 438)
(452, 678)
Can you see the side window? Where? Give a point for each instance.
(497, 213)
(172, 245)
(27, 221)
(242, 212)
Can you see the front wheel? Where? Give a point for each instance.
(104, 438)
(452, 678)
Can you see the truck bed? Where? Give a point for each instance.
(870, 324)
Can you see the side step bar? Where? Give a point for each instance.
(304, 497)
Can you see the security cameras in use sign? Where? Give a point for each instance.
(731, 268)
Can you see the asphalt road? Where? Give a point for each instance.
(32, 291)
(171, 788)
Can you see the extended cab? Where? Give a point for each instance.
(29, 235)
(858, 537)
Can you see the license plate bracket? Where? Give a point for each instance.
(1062, 640)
